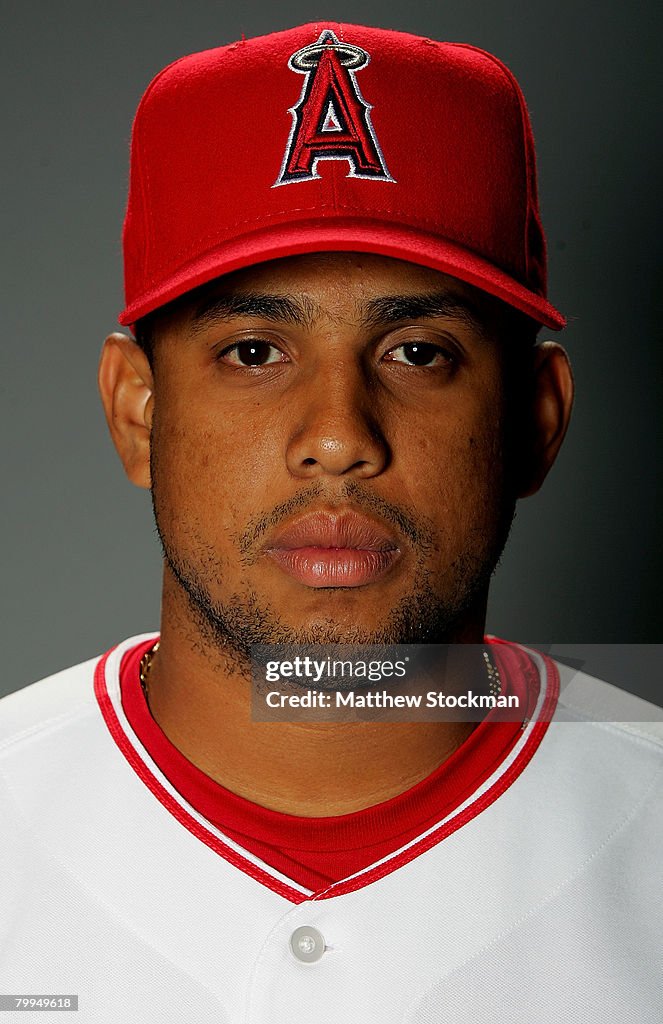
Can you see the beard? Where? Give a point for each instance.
(433, 610)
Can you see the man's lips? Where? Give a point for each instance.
(327, 549)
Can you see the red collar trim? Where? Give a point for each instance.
(107, 690)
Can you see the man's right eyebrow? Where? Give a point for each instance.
(277, 308)
(392, 309)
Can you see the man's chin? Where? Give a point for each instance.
(329, 633)
(244, 623)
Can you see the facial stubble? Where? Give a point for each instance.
(433, 610)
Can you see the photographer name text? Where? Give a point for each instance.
(383, 699)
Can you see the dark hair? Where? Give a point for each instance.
(518, 333)
(146, 330)
(143, 331)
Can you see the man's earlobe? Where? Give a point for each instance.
(126, 384)
(550, 412)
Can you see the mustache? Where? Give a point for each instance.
(358, 497)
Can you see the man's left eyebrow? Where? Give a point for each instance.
(278, 308)
(395, 308)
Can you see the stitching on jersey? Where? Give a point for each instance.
(416, 1001)
(49, 725)
(18, 810)
(651, 739)
(112, 911)
(626, 730)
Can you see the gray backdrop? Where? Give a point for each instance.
(80, 561)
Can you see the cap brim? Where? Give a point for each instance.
(276, 242)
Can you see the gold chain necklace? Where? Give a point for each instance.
(144, 670)
(493, 673)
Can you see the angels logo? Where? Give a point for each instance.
(332, 120)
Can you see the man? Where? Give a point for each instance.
(335, 274)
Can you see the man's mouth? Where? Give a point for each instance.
(334, 549)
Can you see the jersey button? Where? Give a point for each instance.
(307, 944)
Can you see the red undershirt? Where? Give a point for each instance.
(314, 852)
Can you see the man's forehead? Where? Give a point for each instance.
(350, 286)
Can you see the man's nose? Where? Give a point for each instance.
(337, 429)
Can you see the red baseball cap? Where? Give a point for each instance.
(334, 137)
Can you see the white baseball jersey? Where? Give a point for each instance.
(537, 901)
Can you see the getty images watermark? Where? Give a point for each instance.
(453, 682)
(397, 683)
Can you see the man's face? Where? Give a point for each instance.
(327, 452)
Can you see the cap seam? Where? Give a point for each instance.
(143, 166)
(524, 123)
(144, 177)
(459, 238)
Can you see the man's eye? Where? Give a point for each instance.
(420, 353)
(252, 353)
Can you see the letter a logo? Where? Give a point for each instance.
(332, 119)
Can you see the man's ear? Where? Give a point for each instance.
(126, 384)
(550, 412)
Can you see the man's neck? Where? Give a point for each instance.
(201, 699)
